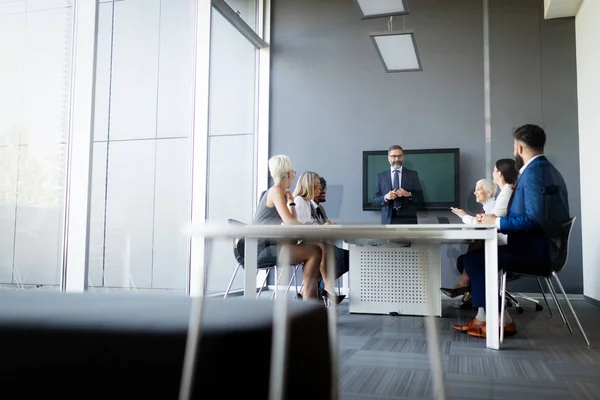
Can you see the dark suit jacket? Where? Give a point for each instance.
(538, 208)
(408, 205)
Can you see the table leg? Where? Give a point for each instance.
(491, 294)
(250, 267)
(433, 339)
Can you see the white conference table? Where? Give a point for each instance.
(423, 233)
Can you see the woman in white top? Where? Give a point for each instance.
(307, 189)
(505, 177)
(484, 194)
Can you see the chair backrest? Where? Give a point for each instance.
(562, 243)
(238, 243)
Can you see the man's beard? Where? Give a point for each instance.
(397, 165)
(519, 162)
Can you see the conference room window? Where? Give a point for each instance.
(36, 45)
(231, 142)
(141, 182)
(247, 10)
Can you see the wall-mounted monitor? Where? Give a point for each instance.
(439, 174)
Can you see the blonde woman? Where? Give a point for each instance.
(275, 207)
(307, 189)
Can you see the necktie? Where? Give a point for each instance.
(396, 179)
(482, 211)
(320, 214)
(396, 186)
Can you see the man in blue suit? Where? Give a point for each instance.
(537, 210)
(398, 191)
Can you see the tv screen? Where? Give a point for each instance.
(438, 171)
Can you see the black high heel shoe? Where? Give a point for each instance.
(337, 298)
(452, 293)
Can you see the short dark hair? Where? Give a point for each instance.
(532, 135)
(323, 182)
(508, 169)
(395, 147)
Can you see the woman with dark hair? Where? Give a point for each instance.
(505, 176)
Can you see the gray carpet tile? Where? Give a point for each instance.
(585, 390)
(372, 359)
(386, 382)
(501, 368)
(464, 386)
(386, 357)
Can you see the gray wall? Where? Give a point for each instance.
(331, 100)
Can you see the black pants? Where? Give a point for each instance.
(342, 264)
(403, 219)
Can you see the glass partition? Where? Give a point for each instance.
(35, 46)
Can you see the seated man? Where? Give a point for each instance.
(342, 257)
(537, 210)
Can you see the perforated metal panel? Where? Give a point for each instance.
(394, 280)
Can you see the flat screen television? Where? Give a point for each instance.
(438, 169)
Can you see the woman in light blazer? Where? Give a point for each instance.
(505, 177)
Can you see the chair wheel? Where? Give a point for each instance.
(539, 307)
(520, 310)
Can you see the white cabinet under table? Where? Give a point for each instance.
(394, 279)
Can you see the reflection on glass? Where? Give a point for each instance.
(35, 44)
(142, 145)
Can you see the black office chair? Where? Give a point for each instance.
(562, 242)
(239, 244)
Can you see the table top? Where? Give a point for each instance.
(420, 232)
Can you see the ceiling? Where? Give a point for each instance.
(561, 8)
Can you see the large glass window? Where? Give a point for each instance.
(231, 149)
(35, 68)
(142, 145)
(247, 10)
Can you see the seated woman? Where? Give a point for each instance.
(275, 207)
(307, 189)
(505, 177)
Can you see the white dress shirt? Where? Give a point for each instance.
(392, 169)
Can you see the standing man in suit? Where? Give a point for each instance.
(398, 191)
(536, 212)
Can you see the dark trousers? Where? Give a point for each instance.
(402, 217)
(342, 264)
(509, 259)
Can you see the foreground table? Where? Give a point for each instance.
(130, 346)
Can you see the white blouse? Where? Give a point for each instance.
(488, 207)
(303, 210)
(501, 209)
(497, 207)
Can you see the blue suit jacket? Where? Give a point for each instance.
(538, 208)
(409, 205)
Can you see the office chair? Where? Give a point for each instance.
(562, 243)
(238, 253)
(512, 297)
